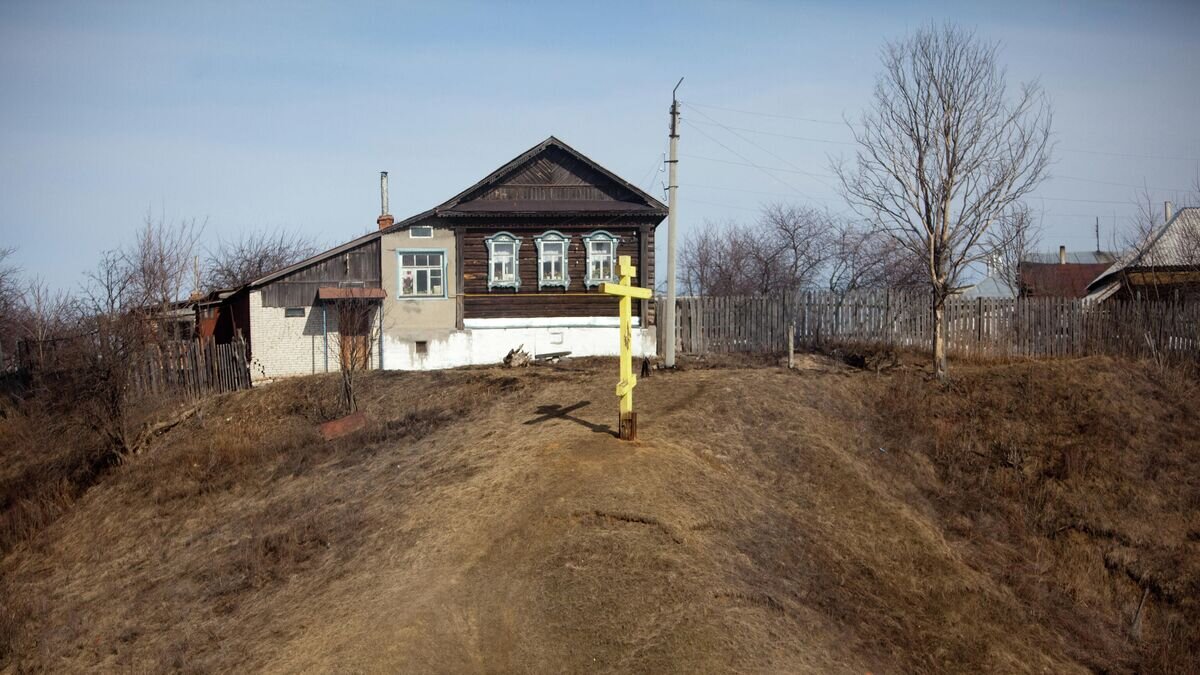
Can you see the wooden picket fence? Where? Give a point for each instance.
(984, 327)
(192, 369)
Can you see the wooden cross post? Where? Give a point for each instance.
(626, 291)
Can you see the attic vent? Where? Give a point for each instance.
(420, 232)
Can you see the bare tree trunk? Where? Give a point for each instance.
(939, 338)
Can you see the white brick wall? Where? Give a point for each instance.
(283, 346)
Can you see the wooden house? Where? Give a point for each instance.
(515, 260)
(1166, 266)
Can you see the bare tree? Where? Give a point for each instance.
(866, 258)
(944, 153)
(158, 267)
(358, 326)
(1010, 241)
(45, 316)
(254, 254)
(782, 252)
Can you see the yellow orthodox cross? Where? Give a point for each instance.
(626, 291)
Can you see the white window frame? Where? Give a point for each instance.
(400, 267)
(504, 238)
(553, 237)
(412, 232)
(600, 236)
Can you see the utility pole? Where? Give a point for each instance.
(672, 188)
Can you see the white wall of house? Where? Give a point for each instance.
(491, 342)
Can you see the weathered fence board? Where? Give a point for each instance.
(192, 369)
(983, 327)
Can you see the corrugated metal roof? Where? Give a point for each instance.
(1058, 281)
(1074, 257)
(990, 287)
(1175, 244)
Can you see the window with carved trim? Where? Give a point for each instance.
(503, 261)
(552, 259)
(601, 249)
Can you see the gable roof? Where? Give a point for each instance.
(488, 196)
(1175, 244)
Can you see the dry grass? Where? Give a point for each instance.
(821, 520)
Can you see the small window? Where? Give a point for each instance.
(503, 271)
(422, 348)
(601, 258)
(420, 232)
(552, 259)
(422, 274)
(294, 312)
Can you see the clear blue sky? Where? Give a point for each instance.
(281, 115)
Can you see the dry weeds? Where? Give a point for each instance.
(819, 520)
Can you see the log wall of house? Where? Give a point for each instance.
(527, 301)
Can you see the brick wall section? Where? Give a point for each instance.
(284, 346)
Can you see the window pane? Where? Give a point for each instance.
(406, 285)
(503, 248)
(422, 282)
(406, 260)
(435, 259)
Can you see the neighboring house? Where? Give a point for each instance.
(1062, 275)
(515, 260)
(1167, 265)
(1065, 275)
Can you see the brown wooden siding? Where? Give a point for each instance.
(528, 301)
(356, 267)
(555, 175)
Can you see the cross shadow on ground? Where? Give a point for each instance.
(558, 412)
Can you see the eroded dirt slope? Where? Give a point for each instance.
(766, 521)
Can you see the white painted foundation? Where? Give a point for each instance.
(485, 345)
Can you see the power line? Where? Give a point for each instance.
(1108, 153)
(762, 114)
(1132, 185)
(772, 133)
(726, 161)
(727, 206)
(766, 150)
(755, 166)
(729, 189)
(744, 159)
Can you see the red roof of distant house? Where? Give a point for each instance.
(1069, 280)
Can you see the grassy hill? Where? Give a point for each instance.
(820, 520)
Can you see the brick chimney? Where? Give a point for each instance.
(1062, 255)
(385, 219)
